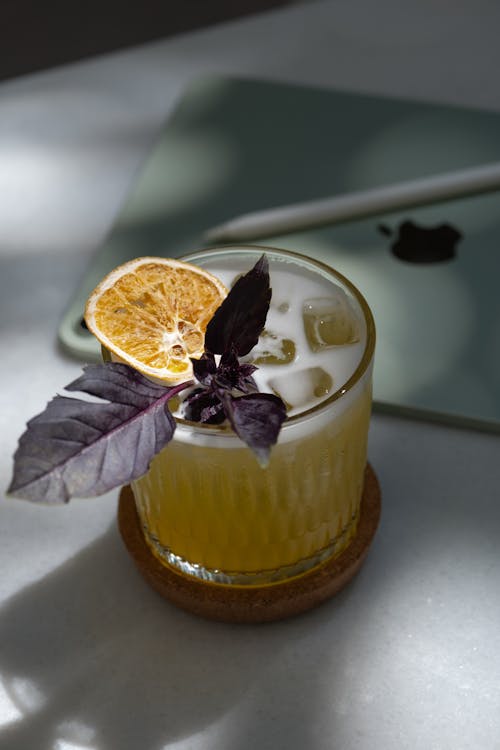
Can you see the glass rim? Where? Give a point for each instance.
(363, 364)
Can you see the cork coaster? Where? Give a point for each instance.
(252, 604)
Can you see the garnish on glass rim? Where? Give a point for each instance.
(152, 313)
(82, 448)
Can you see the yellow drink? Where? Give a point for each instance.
(210, 510)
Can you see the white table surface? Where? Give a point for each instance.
(408, 655)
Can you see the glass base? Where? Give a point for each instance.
(256, 577)
(253, 604)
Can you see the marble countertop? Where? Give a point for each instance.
(90, 657)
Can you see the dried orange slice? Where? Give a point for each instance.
(152, 314)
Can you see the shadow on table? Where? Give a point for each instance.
(35, 38)
(90, 655)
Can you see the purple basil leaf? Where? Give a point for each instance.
(240, 319)
(247, 370)
(81, 448)
(256, 418)
(204, 368)
(203, 405)
(213, 413)
(233, 375)
(228, 371)
(245, 381)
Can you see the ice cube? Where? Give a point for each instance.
(330, 321)
(273, 349)
(306, 386)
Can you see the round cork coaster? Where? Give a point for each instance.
(252, 604)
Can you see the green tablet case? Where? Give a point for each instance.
(234, 145)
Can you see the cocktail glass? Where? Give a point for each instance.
(208, 510)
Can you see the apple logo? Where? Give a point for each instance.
(417, 244)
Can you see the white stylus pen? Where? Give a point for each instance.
(299, 216)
